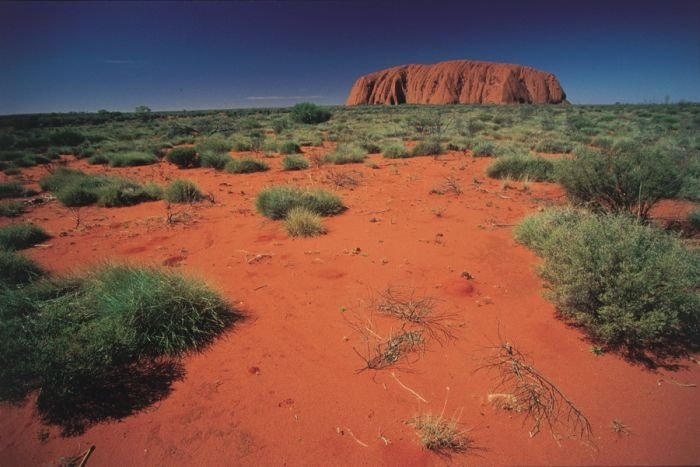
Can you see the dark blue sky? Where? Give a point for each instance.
(177, 55)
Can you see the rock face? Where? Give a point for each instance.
(457, 82)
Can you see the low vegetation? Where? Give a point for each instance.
(184, 158)
(294, 163)
(131, 159)
(346, 154)
(214, 160)
(246, 165)
(182, 191)
(309, 113)
(16, 270)
(536, 169)
(11, 209)
(303, 222)
(277, 202)
(631, 286)
(439, 434)
(21, 236)
(12, 190)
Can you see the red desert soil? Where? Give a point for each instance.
(283, 388)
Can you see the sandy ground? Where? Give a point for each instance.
(283, 387)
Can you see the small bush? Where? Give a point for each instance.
(346, 154)
(302, 222)
(484, 149)
(242, 144)
(630, 285)
(620, 181)
(294, 163)
(439, 434)
(67, 138)
(131, 159)
(307, 112)
(182, 191)
(16, 269)
(694, 219)
(98, 159)
(517, 167)
(213, 145)
(554, 146)
(184, 158)
(395, 151)
(289, 147)
(11, 209)
(276, 202)
(214, 160)
(20, 236)
(246, 165)
(11, 190)
(427, 148)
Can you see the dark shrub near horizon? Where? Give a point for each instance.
(309, 113)
(184, 158)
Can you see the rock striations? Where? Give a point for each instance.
(457, 82)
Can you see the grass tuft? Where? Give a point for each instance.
(276, 202)
(182, 191)
(303, 222)
(20, 236)
(246, 165)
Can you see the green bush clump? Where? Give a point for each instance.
(303, 222)
(427, 148)
(67, 138)
(620, 181)
(484, 149)
(184, 158)
(460, 144)
(214, 160)
(289, 147)
(276, 202)
(534, 168)
(554, 146)
(395, 151)
(307, 112)
(294, 163)
(241, 144)
(182, 191)
(12, 190)
(16, 269)
(694, 219)
(346, 154)
(20, 236)
(98, 159)
(246, 165)
(131, 159)
(11, 209)
(73, 338)
(629, 285)
(74, 188)
(213, 145)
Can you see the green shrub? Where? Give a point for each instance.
(71, 338)
(16, 269)
(98, 159)
(460, 144)
(11, 209)
(554, 146)
(518, 167)
(67, 138)
(184, 158)
(12, 190)
(242, 144)
(346, 154)
(289, 147)
(276, 202)
(131, 159)
(214, 160)
(182, 191)
(395, 151)
(484, 149)
(630, 285)
(21, 236)
(694, 219)
(213, 145)
(246, 165)
(302, 222)
(307, 112)
(74, 188)
(619, 181)
(294, 163)
(427, 148)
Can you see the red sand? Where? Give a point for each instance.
(282, 388)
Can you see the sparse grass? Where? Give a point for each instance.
(439, 434)
(16, 269)
(449, 184)
(131, 159)
(343, 179)
(346, 154)
(20, 236)
(302, 222)
(182, 191)
(276, 202)
(294, 163)
(246, 165)
(215, 160)
(427, 148)
(619, 428)
(534, 168)
(11, 209)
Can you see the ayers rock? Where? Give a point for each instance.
(457, 82)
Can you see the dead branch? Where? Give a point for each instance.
(535, 395)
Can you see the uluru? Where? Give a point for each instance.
(457, 82)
